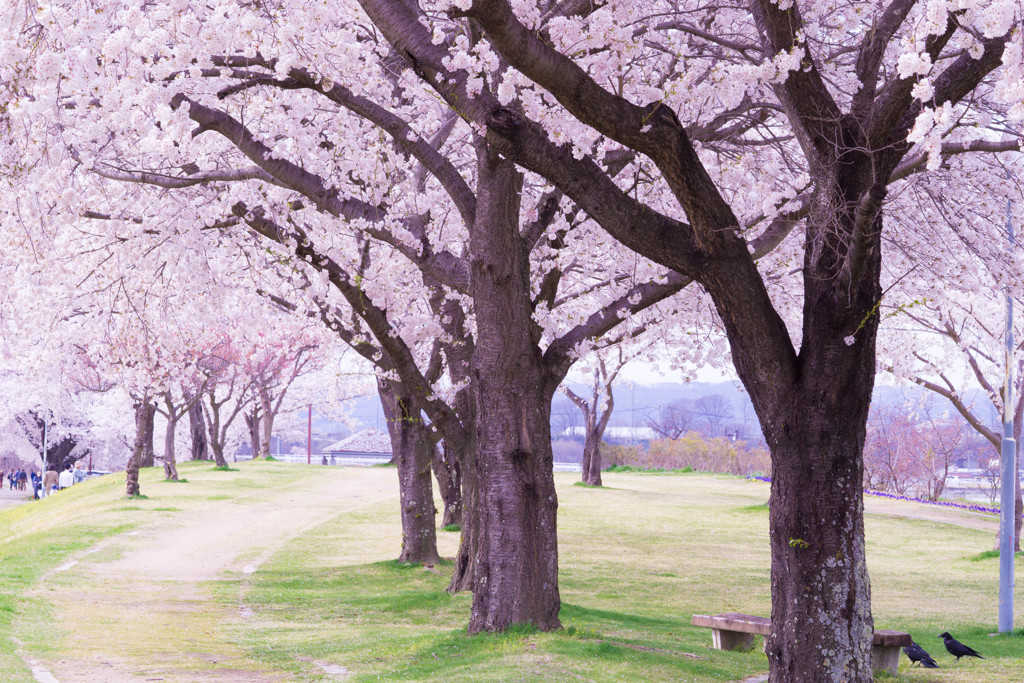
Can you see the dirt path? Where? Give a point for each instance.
(10, 499)
(139, 605)
(931, 513)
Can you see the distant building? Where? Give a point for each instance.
(621, 434)
(367, 445)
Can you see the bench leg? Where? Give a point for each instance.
(731, 640)
(885, 658)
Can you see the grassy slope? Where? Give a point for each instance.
(638, 558)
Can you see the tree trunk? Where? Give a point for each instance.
(592, 460)
(143, 428)
(213, 430)
(266, 423)
(516, 578)
(820, 588)
(170, 467)
(196, 426)
(412, 445)
(59, 454)
(252, 424)
(815, 422)
(218, 453)
(516, 575)
(147, 444)
(466, 557)
(446, 471)
(595, 419)
(588, 453)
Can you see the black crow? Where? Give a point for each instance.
(916, 653)
(956, 648)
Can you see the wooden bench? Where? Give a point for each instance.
(737, 631)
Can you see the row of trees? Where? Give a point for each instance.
(474, 195)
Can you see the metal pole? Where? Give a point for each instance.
(46, 424)
(309, 437)
(1008, 452)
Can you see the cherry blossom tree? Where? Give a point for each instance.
(853, 128)
(951, 313)
(694, 135)
(507, 334)
(597, 410)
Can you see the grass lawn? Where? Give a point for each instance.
(638, 558)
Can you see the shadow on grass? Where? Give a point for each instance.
(413, 629)
(594, 616)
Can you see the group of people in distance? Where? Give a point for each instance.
(67, 478)
(50, 481)
(16, 478)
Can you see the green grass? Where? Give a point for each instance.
(637, 560)
(648, 470)
(993, 555)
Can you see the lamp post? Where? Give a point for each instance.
(46, 424)
(1008, 458)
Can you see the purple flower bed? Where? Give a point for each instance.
(942, 503)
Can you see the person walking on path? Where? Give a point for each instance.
(49, 479)
(22, 479)
(78, 474)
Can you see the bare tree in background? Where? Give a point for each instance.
(715, 410)
(674, 419)
(596, 413)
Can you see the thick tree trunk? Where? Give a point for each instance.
(446, 471)
(516, 575)
(143, 430)
(59, 454)
(170, 466)
(413, 447)
(516, 578)
(820, 589)
(196, 425)
(815, 423)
